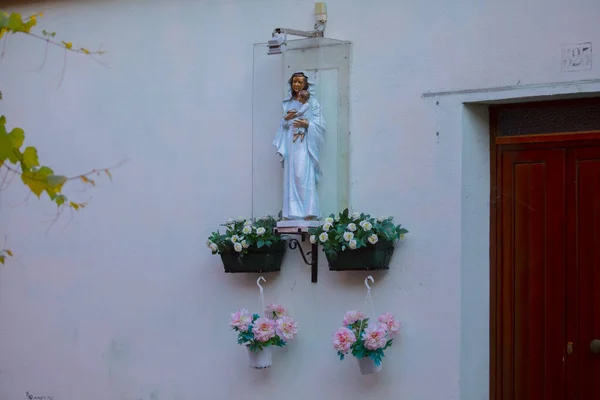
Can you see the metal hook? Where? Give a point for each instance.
(264, 280)
(369, 278)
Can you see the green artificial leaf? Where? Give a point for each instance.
(30, 158)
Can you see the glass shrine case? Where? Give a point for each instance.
(327, 62)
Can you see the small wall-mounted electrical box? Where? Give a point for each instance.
(321, 12)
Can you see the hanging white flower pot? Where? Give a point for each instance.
(260, 359)
(367, 366)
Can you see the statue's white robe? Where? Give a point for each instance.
(301, 168)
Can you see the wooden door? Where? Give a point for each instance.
(583, 265)
(533, 307)
(545, 259)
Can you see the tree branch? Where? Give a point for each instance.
(83, 177)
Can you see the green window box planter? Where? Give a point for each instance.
(375, 257)
(265, 259)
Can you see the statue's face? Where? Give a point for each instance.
(298, 83)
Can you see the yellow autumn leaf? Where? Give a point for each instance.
(9, 252)
(68, 45)
(86, 51)
(85, 179)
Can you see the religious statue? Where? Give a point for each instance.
(298, 141)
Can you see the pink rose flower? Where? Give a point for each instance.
(343, 339)
(264, 329)
(352, 316)
(286, 328)
(392, 325)
(241, 320)
(275, 311)
(375, 337)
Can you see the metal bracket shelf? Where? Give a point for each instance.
(294, 244)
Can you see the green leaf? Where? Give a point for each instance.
(60, 199)
(15, 22)
(55, 184)
(29, 24)
(30, 158)
(6, 147)
(2, 258)
(37, 180)
(56, 181)
(17, 135)
(260, 244)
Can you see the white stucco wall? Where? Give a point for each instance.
(125, 302)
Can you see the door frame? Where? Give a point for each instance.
(521, 142)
